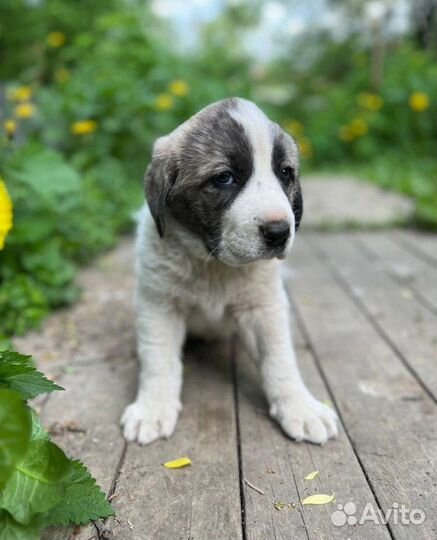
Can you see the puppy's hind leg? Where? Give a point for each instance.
(154, 413)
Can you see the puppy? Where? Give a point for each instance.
(224, 203)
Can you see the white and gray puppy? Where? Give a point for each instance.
(224, 203)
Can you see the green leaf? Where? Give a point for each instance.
(46, 172)
(17, 373)
(83, 501)
(11, 530)
(38, 483)
(15, 429)
(38, 431)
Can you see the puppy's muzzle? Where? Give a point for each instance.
(275, 233)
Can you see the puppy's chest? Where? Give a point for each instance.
(209, 297)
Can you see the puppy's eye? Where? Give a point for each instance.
(224, 180)
(287, 174)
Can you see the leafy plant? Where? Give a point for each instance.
(39, 485)
(78, 131)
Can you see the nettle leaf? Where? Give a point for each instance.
(46, 172)
(83, 500)
(38, 482)
(18, 373)
(11, 530)
(15, 430)
(38, 431)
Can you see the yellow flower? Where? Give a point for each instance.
(163, 102)
(371, 102)
(294, 127)
(21, 93)
(418, 101)
(5, 213)
(358, 127)
(84, 127)
(10, 127)
(62, 75)
(179, 88)
(305, 148)
(56, 39)
(24, 110)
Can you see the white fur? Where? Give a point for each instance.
(261, 201)
(182, 289)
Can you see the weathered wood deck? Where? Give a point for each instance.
(365, 307)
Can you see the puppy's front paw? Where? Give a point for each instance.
(147, 420)
(305, 418)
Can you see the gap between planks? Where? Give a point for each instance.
(422, 245)
(394, 266)
(332, 317)
(343, 283)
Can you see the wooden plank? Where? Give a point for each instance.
(84, 421)
(408, 326)
(99, 326)
(407, 269)
(390, 419)
(200, 502)
(88, 349)
(423, 245)
(278, 466)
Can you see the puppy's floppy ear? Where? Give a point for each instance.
(160, 176)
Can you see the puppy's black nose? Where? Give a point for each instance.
(275, 233)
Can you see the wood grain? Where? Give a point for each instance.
(202, 501)
(405, 268)
(390, 419)
(423, 245)
(278, 466)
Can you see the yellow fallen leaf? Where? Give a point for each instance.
(312, 475)
(178, 463)
(320, 498)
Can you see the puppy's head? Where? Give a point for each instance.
(229, 176)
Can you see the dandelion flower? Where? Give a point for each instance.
(359, 127)
(24, 110)
(10, 127)
(21, 93)
(84, 127)
(5, 213)
(369, 101)
(163, 102)
(418, 101)
(179, 88)
(56, 39)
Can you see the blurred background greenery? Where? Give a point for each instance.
(86, 87)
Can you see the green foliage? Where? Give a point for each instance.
(410, 176)
(18, 373)
(341, 119)
(74, 193)
(15, 429)
(12, 530)
(83, 499)
(39, 485)
(106, 80)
